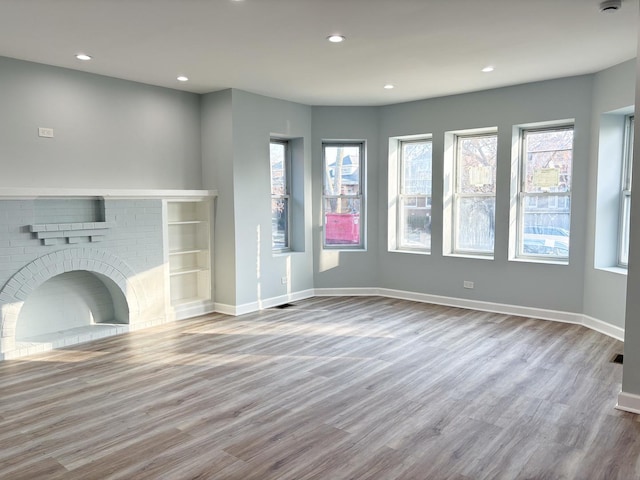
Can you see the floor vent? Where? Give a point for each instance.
(617, 358)
(284, 305)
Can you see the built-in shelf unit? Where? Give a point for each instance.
(189, 252)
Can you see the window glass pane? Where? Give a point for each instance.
(475, 224)
(476, 164)
(342, 170)
(416, 168)
(415, 222)
(342, 221)
(626, 219)
(279, 223)
(629, 159)
(546, 222)
(278, 169)
(625, 204)
(549, 155)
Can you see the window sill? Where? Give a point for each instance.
(468, 255)
(285, 253)
(542, 261)
(617, 270)
(413, 252)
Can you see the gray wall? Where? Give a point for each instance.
(217, 173)
(631, 372)
(237, 128)
(108, 133)
(255, 120)
(605, 290)
(117, 134)
(557, 287)
(348, 268)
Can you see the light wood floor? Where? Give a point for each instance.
(332, 388)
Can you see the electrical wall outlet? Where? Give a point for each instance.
(45, 132)
(284, 280)
(467, 284)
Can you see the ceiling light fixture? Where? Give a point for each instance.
(488, 69)
(83, 56)
(182, 78)
(610, 6)
(389, 86)
(336, 38)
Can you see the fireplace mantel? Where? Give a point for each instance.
(110, 193)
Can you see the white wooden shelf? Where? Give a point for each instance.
(185, 252)
(189, 252)
(189, 301)
(185, 271)
(188, 222)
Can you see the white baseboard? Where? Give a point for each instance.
(225, 309)
(628, 402)
(603, 327)
(531, 312)
(348, 292)
(251, 307)
(541, 313)
(190, 310)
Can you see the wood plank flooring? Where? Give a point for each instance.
(331, 388)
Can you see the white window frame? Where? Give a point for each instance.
(359, 196)
(521, 195)
(457, 195)
(286, 197)
(625, 193)
(400, 219)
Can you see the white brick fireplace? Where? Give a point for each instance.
(79, 265)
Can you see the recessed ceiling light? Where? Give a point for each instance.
(336, 38)
(83, 56)
(389, 86)
(488, 69)
(182, 78)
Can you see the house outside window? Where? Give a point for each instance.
(280, 195)
(474, 198)
(342, 195)
(414, 198)
(544, 195)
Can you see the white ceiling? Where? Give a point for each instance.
(427, 48)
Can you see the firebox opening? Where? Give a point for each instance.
(71, 304)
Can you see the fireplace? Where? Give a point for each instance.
(77, 266)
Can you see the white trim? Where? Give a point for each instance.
(628, 402)
(251, 307)
(224, 309)
(348, 292)
(195, 309)
(603, 327)
(530, 312)
(111, 193)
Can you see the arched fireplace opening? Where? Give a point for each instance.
(69, 305)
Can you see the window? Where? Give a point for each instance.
(342, 199)
(280, 189)
(414, 199)
(474, 193)
(625, 194)
(544, 196)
